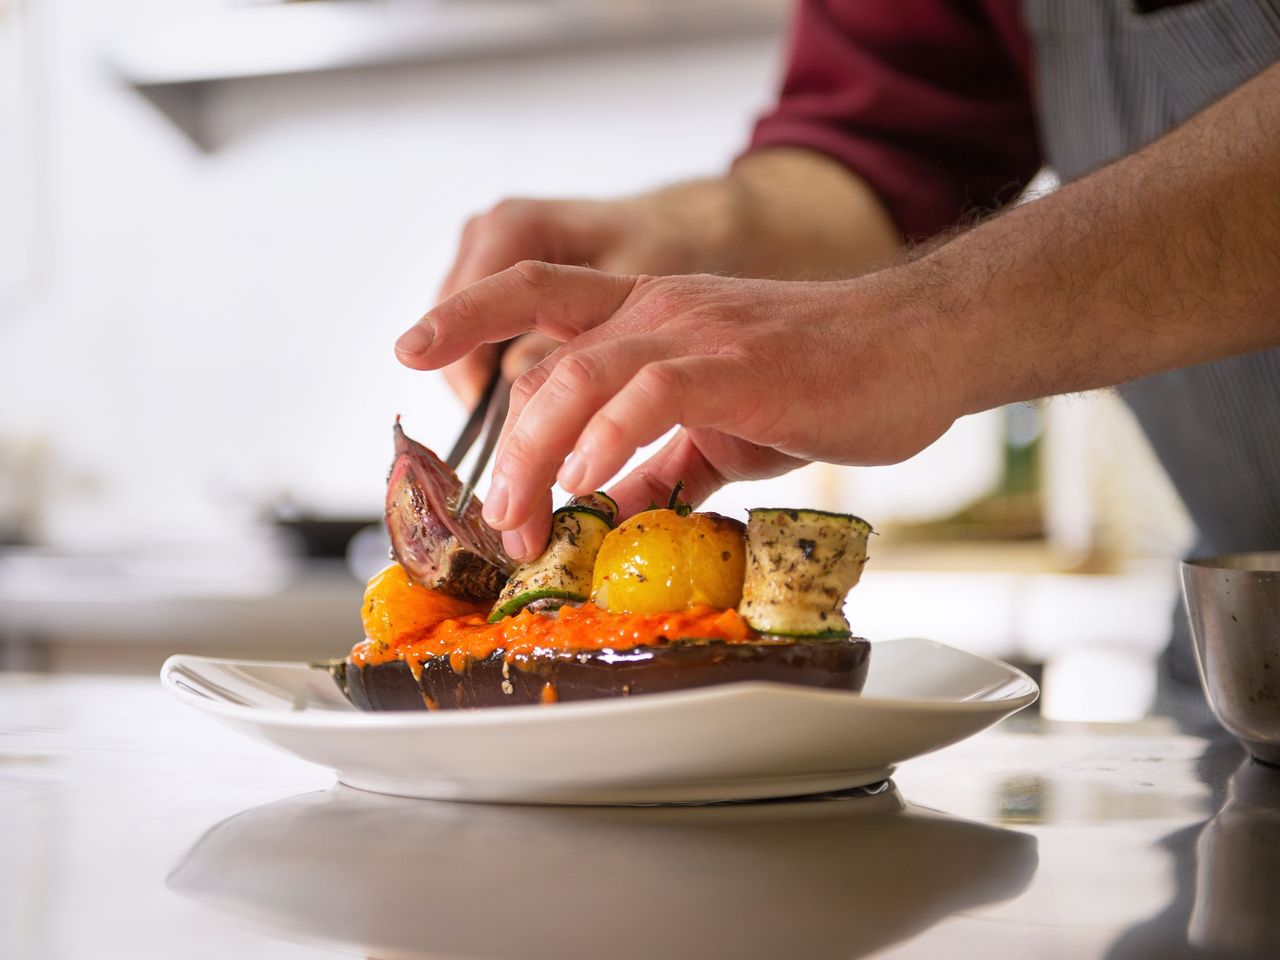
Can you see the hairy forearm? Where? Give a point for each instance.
(1167, 258)
(782, 213)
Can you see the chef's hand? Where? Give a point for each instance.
(782, 212)
(1162, 260)
(639, 235)
(761, 376)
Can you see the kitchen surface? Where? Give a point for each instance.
(136, 828)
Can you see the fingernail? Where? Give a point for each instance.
(513, 543)
(416, 340)
(571, 473)
(495, 505)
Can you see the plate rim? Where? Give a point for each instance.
(582, 709)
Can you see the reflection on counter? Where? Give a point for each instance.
(1224, 870)
(844, 875)
(1237, 907)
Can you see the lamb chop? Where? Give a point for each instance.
(461, 556)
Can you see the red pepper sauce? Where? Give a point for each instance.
(583, 628)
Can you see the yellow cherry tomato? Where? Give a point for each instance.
(659, 561)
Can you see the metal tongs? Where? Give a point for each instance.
(489, 415)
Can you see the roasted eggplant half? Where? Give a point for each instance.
(839, 664)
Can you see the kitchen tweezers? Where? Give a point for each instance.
(487, 418)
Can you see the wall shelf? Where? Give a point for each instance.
(174, 64)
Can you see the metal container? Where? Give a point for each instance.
(1233, 602)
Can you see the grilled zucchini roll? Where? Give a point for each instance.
(563, 573)
(800, 566)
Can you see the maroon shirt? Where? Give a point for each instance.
(930, 101)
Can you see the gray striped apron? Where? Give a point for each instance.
(1108, 80)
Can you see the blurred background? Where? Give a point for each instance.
(215, 218)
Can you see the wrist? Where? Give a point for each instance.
(934, 309)
(697, 226)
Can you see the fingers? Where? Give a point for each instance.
(689, 391)
(705, 460)
(558, 301)
(540, 431)
(491, 242)
(603, 402)
(528, 542)
(680, 459)
(512, 231)
(467, 377)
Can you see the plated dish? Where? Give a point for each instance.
(727, 742)
(665, 600)
(675, 657)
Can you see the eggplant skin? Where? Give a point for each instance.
(829, 664)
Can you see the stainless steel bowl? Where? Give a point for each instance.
(1233, 602)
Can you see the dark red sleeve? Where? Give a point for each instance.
(929, 101)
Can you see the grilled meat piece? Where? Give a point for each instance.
(461, 556)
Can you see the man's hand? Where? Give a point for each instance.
(625, 236)
(785, 213)
(761, 375)
(1163, 259)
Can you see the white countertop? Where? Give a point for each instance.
(134, 828)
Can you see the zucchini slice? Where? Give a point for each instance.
(563, 573)
(800, 566)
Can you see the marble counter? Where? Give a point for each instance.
(134, 828)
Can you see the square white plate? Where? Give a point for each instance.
(732, 742)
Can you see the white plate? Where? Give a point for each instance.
(733, 742)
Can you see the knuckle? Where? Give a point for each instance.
(773, 426)
(660, 381)
(529, 383)
(606, 431)
(519, 448)
(514, 222)
(663, 299)
(575, 373)
(510, 208)
(740, 351)
(534, 273)
(461, 310)
(672, 299)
